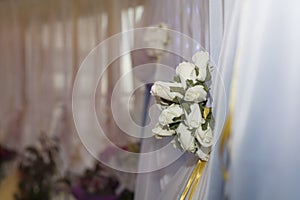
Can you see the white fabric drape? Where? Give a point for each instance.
(263, 160)
(265, 141)
(224, 19)
(203, 21)
(42, 46)
(214, 186)
(190, 18)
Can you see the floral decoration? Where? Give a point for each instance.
(185, 114)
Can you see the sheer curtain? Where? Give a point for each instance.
(42, 46)
(203, 21)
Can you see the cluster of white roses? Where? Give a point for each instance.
(183, 103)
(158, 38)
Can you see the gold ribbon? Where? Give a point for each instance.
(206, 112)
(197, 172)
(226, 132)
(224, 139)
(193, 180)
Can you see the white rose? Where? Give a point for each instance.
(162, 90)
(202, 155)
(186, 71)
(195, 94)
(194, 119)
(167, 115)
(160, 132)
(205, 137)
(201, 59)
(185, 138)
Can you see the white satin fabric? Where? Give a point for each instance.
(265, 142)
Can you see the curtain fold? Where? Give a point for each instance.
(43, 44)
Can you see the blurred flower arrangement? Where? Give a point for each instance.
(95, 183)
(38, 170)
(98, 183)
(104, 183)
(126, 186)
(40, 178)
(6, 156)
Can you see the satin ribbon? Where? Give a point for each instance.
(226, 132)
(224, 139)
(206, 112)
(193, 180)
(197, 172)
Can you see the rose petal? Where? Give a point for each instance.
(185, 138)
(194, 119)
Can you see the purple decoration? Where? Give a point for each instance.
(80, 194)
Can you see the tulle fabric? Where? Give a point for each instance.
(190, 18)
(204, 22)
(211, 184)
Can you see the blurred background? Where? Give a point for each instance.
(43, 43)
(42, 46)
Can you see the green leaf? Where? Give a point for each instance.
(189, 83)
(177, 143)
(177, 79)
(209, 116)
(205, 87)
(193, 131)
(177, 89)
(197, 70)
(176, 119)
(174, 126)
(176, 100)
(186, 106)
(201, 108)
(199, 82)
(163, 101)
(208, 75)
(204, 126)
